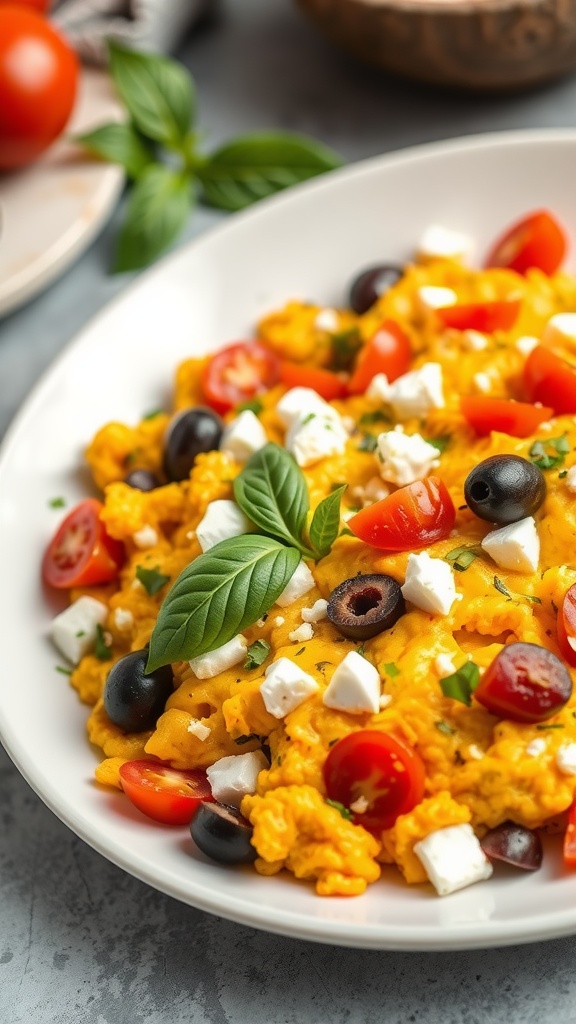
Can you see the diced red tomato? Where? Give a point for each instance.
(378, 769)
(537, 240)
(524, 683)
(238, 373)
(550, 380)
(570, 838)
(164, 793)
(520, 419)
(325, 383)
(566, 626)
(412, 517)
(81, 553)
(388, 351)
(486, 317)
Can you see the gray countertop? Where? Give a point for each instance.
(80, 941)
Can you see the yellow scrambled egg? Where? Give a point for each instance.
(479, 769)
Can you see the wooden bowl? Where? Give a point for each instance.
(487, 45)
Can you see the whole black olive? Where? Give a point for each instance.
(363, 606)
(142, 480)
(134, 700)
(223, 834)
(513, 844)
(504, 489)
(371, 284)
(191, 432)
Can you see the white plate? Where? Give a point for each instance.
(308, 243)
(51, 210)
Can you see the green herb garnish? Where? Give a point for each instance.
(241, 740)
(345, 345)
(547, 453)
(463, 556)
(441, 443)
(340, 808)
(101, 649)
(257, 654)
(252, 405)
(552, 725)
(153, 414)
(368, 443)
(391, 670)
(460, 685)
(502, 588)
(443, 727)
(326, 521)
(151, 579)
(63, 671)
(368, 419)
(57, 503)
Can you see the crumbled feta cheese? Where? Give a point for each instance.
(360, 806)
(432, 298)
(453, 858)
(354, 687)
(379, 388)
(222, 519)
(474, 341)
(205, 666)
(570, 479)
(417, 392)
(146, 537)
(404, 458)
(261, 623)
(526, 343)
(444, 665)
(475, 753)
(123, 618)
(566, 758)
(385, 701)
(316, 436)
(482, 382)
(430, 584)
(279, 621)
(74, 630)
(375, 490)
(299, 403)
(516, 546)
(243, 436)
(302, 633)
(440, 243)
(200, 731)
(317, 612)
(536, 747)
(232, 778)
(327, 320)
(299, 584)
(560, 330)
(286, 687)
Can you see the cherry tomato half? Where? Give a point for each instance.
(374, 767)
(164, 793)
(325, 383)
(520, 419)
(388, 351)
(551, 380)
(37, 5)
(237, 373)
(486, 317)
(412, 517)
(570, 838)
(537, 240)
(566, 626)
(524, 683)
(81, 553)
(38, 79)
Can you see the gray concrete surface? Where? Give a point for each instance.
(80, 941)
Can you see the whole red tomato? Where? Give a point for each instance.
(38, 79)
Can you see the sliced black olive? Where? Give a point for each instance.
(223, 834)
(371, 284)
(142, 480)
(515, 845)
(363, 606)
(504, 489)
(191, 432)
(134, 700)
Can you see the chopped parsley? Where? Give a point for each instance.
(321, 665)
(502, 588)
(562, 474)
(151, 579)
(391, 670)
(376, 416)
(257, 653)
(443, 727)
(460, 685)
(101, 649)
(57, 502)
(441, 443)
(64, 671)
(463, 556)
(340, 808)
(368, 443)
(153, 414)
(345, 345)
(252, 405)
(362, 650)
(549, 452)
(81, 632)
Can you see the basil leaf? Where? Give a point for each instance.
(549, 452)
(257, 654)
(218, 595)
(271, 491)
(151, 579)
(460, 685)
(120, 144)
(157, 92)
(254, 166)
(157, 211)
(326, 522)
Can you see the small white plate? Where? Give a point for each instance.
(51, 210)
(307, 243)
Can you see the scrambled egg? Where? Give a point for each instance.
(478, 769)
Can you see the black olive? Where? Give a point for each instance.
(515, 845)
(363, 606)
(134, 700)
(142, 480)
(504, 489)
(223, 834)
(191, 432)
(371, 284)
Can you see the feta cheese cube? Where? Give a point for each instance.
(279, 621)
(206, 666)
(566, 758)
(417, 392)
(474, 341)
(299, 584)
(243, 436)
(516, 546)
(536, 747)
(440, 243)
(404, 458)
(526, 343)
(146, 537)
(232, 778)
(444, 665)
(482, 383)
(560, 330)
(299, 403)
(570, 479)
(74, 630)
(222, 519)
(430, 584)
(432, 298)
(360, 805)
(316, 436)
(123, 618)
(286, 687)
(453, 858)
(327, 320)
(197, 729)
(302, 633)
(354, 687)
(379, 388)
(385, 701)
(317, 612)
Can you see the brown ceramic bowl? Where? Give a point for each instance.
(487, 45)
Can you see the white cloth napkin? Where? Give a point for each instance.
(141, 24)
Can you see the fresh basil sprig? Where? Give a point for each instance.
(218, 595)
(159, 96)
